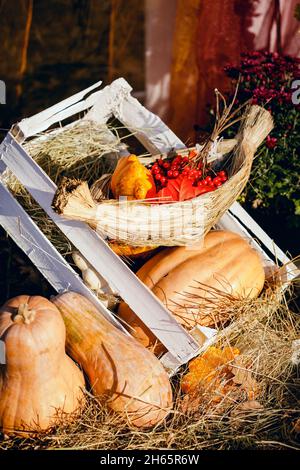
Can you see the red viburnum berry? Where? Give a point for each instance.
(216, 180)
(156, 171)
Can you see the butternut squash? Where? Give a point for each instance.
(38, 380)
(121, 372)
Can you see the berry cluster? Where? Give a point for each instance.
(212, 179)
(177, 177)
(164, 170)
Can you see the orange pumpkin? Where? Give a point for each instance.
(193, 282)
(122, 373)
(132, 179)
(38, 380)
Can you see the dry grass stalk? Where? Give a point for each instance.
(263, 330)
(224, 118)
(215, 307)
(75, 150)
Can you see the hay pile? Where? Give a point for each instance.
(264, 331)
(76, 151)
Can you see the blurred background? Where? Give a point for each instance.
(174, 53)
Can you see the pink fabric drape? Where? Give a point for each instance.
(264, 27)
(160, 31)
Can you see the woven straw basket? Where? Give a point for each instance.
(138, 223)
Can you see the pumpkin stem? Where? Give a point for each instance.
(24, 314)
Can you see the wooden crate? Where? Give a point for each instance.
(113, 100)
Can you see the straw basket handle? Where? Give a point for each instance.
(257, 124)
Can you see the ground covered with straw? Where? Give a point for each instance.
(265, 331)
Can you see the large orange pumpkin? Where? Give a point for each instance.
(121, 372)
(38, 380)
(194, 281)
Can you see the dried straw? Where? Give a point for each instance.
(264, 331)
(76, 150)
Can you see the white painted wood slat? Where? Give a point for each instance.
(148, 128)
(238, 211)
(151, 311)
(20, 227)
(41, 121)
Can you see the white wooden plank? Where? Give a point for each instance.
(59, 117)
(151, 311)
(205, 337)
(103, 100)
(148, 128)
(41, 121)
(109, 100)
(20, 227)
(238, 211)
(241, 216)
